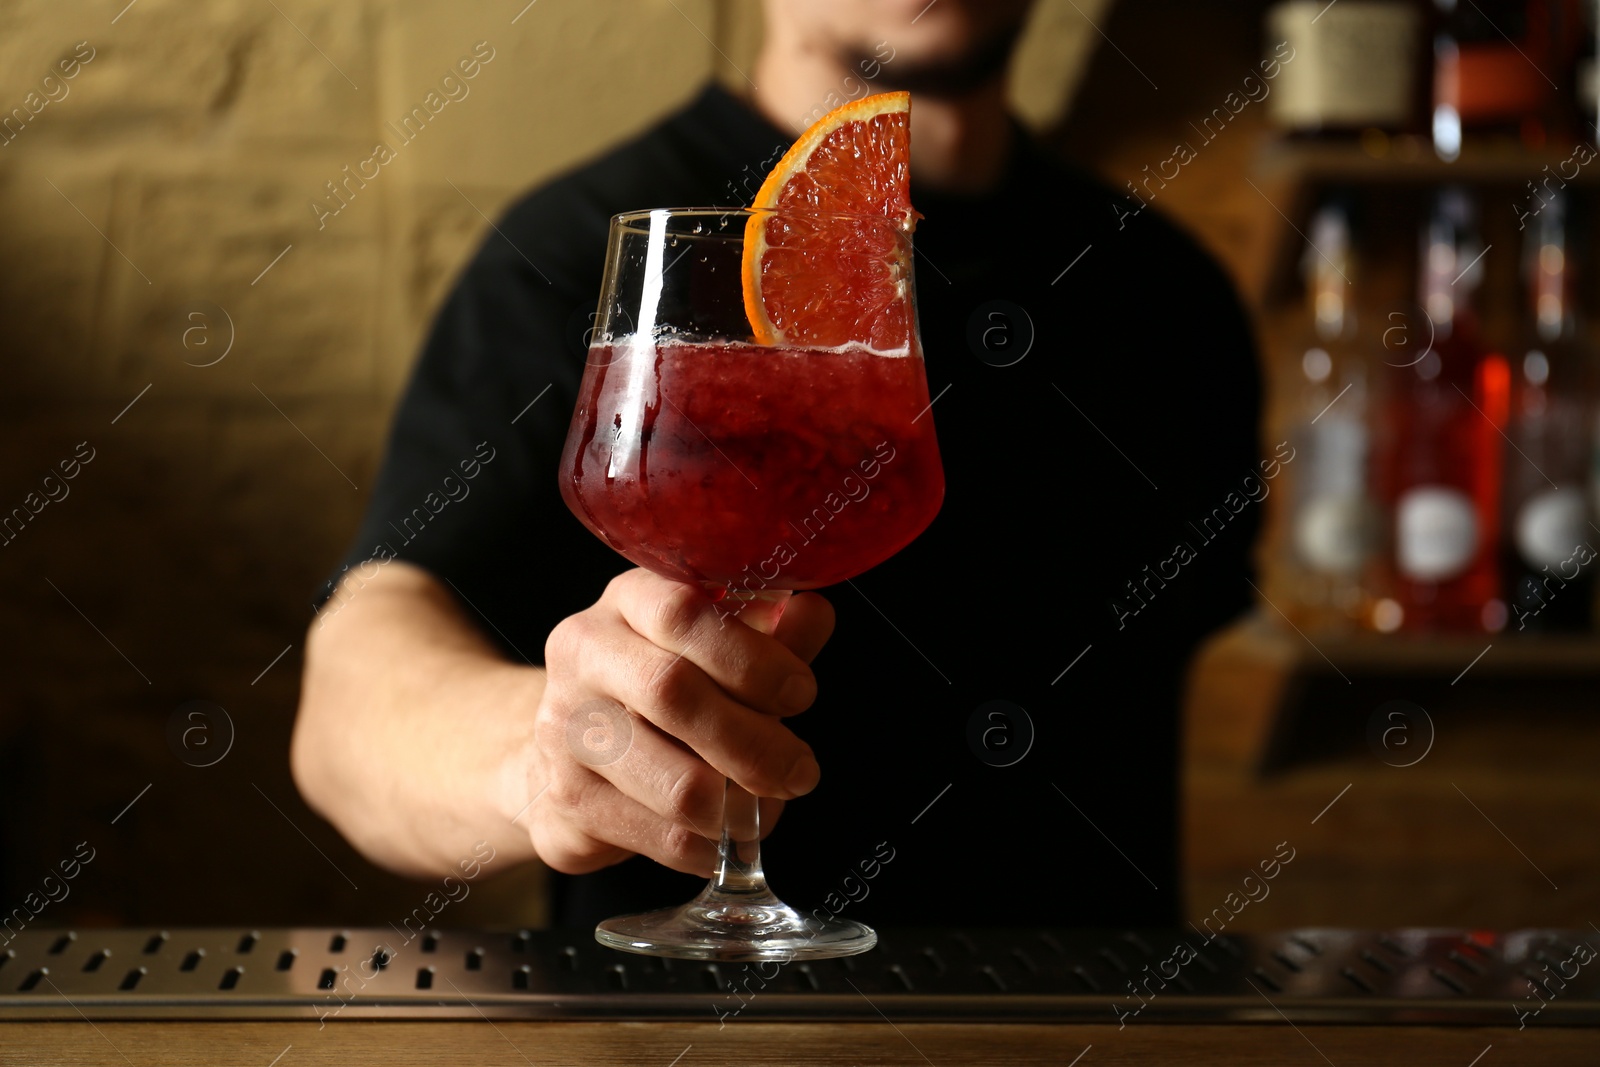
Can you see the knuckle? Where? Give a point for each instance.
(571, 853)
(599, 732)
(746, 670)
(696, 795)
(548, 720)
(679, 841)
(668, 684)
(617, 587)
(580, 646)
(565, 639)
(559, 857)
(567, 787)
(677, 612)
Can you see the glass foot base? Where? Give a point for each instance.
(735, 930)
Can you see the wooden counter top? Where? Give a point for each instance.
(518, 1044)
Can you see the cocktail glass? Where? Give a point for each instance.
(751, 469)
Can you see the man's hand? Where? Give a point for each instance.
(416, 736)
(651, 701)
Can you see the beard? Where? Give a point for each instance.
(958, 75)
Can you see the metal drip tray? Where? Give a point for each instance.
(1435, 977)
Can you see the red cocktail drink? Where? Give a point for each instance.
(754, 419)
(738, 466)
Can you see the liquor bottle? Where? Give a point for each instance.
(1549, 545)
(1586, 76)
(1498, 67)
(1333, 523)
(1441, 464)
(1349, 67)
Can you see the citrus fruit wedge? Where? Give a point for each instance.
(831, 265)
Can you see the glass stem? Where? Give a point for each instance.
(739, 878)
(739, 853)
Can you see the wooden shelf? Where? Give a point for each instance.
(1394, 825)
(1391, 193)
(1515, 656)
(1280, 698)
(1412, 161)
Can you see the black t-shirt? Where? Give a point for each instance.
(1097, 522)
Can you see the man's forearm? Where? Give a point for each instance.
(410, 726)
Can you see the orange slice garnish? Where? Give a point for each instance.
(829, 280)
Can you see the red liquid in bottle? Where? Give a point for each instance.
(1442, 469)
(1444, 478)
(733, 465)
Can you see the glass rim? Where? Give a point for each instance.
(638, 221)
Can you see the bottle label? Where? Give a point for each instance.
(1549, 527)
(1337, 461)
(1353, 64)
(1436, 533)
(1334, 534)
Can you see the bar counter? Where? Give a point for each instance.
(304, 996)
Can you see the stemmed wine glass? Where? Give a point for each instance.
(753, 419)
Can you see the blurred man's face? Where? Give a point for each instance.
(947, 47)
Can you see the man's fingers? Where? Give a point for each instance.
(607, 834)
(751, 667)
(806, 625)
(656, 701)
(668, 779)
(564, 848)
(582, 823)
(675, 783)
(672, 693)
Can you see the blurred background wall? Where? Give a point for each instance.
(171, 303)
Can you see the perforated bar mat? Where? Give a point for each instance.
(1436, 977)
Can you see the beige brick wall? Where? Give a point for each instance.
(156, 209)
